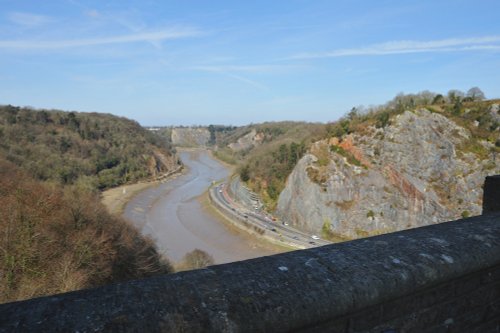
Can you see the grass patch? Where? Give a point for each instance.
(328, 234)
(350, 158)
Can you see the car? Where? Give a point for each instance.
(312, 243)
(273, 229)
(295, 237)
(314, 237)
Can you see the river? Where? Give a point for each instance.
(173, 215)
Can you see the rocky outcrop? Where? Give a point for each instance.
(190, 137)
(247, 141)
(405, 175)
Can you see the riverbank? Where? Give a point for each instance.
(115, 199)
(178, 223)
(259, 242)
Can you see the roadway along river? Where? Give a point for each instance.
(174, 217)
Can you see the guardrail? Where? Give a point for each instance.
(438, 278)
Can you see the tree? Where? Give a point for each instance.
(197, 259)
(353, 113)
(438, 99)
(455, 95)
(475, 94)
(425, 97)
(382, 119)
(245, 173)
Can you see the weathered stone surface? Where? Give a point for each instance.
(247, 141)
(297, 291)
(190, 137)
(410, 175)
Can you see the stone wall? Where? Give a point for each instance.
(438, 278)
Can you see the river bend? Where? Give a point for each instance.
(172, 214)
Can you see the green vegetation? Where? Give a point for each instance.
(94, 150)
(465, 214)
(316, 175)
(469, 110)
(370, 214)
(55, 234)
(328, 234)
(350, 158)
(266, 165)
(217, 132)
(272, 169)
(225, 155)
(56, 239)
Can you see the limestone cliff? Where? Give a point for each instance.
(247, 141)
(418, 170)
(190, 137)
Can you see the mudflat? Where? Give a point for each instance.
(172, 214)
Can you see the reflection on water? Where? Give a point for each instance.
(171, 214)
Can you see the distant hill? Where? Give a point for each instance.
(94, 150)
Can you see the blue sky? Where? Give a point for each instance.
(238, 62)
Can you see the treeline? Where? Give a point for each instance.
(56, 239)
(453, 103)
(470, 110)
(94, 150)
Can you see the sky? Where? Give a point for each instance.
(239, 62)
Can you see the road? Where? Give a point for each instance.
(172, 214)
(279, 230)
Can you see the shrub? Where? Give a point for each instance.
(196, 259)
(56, 240)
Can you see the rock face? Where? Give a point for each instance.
(247, 141)
(190, 137)
(405, 175)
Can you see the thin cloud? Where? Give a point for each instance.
(228, 72)
(240, 78)
(243, 68)
(405, 46)
(28, 19)
(152, 36)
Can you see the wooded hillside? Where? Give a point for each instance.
(55, 235)
(90, 149)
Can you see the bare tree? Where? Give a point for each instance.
(455, 95)
(197, 259)
(475, 94)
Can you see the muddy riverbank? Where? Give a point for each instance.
(174, 216)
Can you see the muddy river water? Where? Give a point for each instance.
(173, 215)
